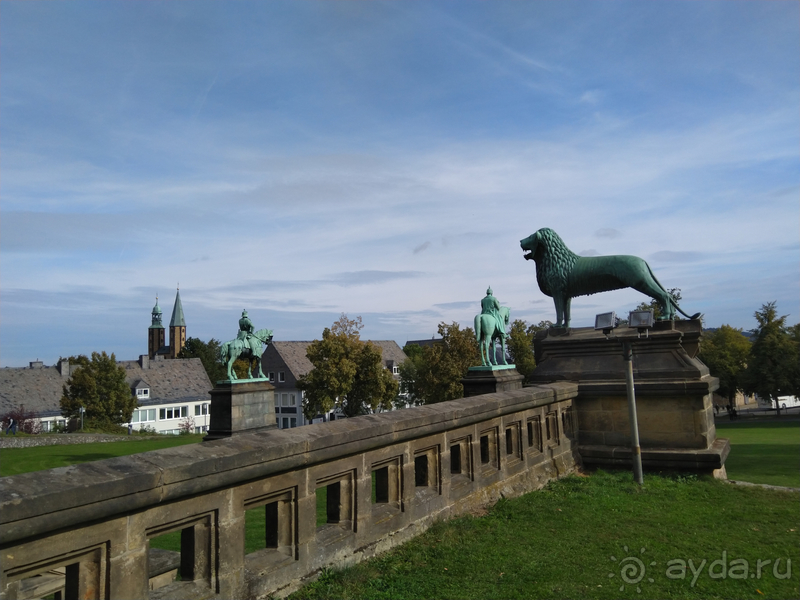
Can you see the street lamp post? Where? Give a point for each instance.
(83, 410)
(642, 320)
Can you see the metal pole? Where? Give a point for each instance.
(636, 451)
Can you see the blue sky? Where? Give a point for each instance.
(383, 159)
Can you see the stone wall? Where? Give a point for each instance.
(85, 529)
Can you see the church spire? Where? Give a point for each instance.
(177, 328)
(155, 333)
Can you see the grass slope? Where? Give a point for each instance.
(579, 536)
(763, 451)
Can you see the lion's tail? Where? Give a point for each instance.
(671, 299)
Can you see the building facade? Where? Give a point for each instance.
(285, 362)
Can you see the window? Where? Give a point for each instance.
(176, 412)
(293, 422)
(271, 376)
(285, 423)
(143, 415)
(143, 393)
(395, 370)
(281, 377)
(200, 409)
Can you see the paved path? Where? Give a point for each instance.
(17, 441)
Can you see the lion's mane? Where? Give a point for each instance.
(554, 262)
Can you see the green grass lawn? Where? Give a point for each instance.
(763, 451)
(14, 461)
(578, 538)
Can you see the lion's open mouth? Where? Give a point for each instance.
(528, 255)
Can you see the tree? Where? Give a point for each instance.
(409, 372)
(99, 386)
(520, 346)
(348, 373)
(654, 306)
(208, 353)
(725, 352)
(445, 364)
(773, 368)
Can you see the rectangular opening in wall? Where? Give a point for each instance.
(551, 428)
(421, 470)
(164, 559)
(513, 443)
(427, 478)
(76, 574)
(490, 458)
(386, 489)
(380, 485)
(335, 499)
(182, 552)
(455, 459)
(270, 525)
(535, 434)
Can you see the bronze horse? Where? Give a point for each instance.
(249, 349)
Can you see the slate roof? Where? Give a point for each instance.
(294, 354)
(37, 389)
(170, 381)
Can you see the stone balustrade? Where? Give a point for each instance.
(84, 531)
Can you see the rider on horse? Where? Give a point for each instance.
(491, 306)
(246, 329)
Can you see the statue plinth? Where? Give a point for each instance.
(491, 379)
(673, 394)
(242, 406)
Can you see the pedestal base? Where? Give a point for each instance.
(488, 380)
(241, 407)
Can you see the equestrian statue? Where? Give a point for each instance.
(247, 345)
(563, 275)
(490, 326)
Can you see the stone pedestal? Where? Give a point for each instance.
(488, 380)
(243, 406)
(673, 394)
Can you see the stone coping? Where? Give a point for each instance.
(33, 503)
(493, 368)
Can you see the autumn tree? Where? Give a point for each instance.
(773, 368)
(100, 387)
(208, 353)
(442, 366)
(348, 373)
(725, 352)
(520, 347)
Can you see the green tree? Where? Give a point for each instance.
(520, 347)
(348, 373)
(773, 368)
(99, 386)
(445, 364)
(725, 352)
(653, 304)
(409, 371)
(208, 353)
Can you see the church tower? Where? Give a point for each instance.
(155, 333)
(177, 328)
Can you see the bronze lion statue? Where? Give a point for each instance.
(563, 275)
